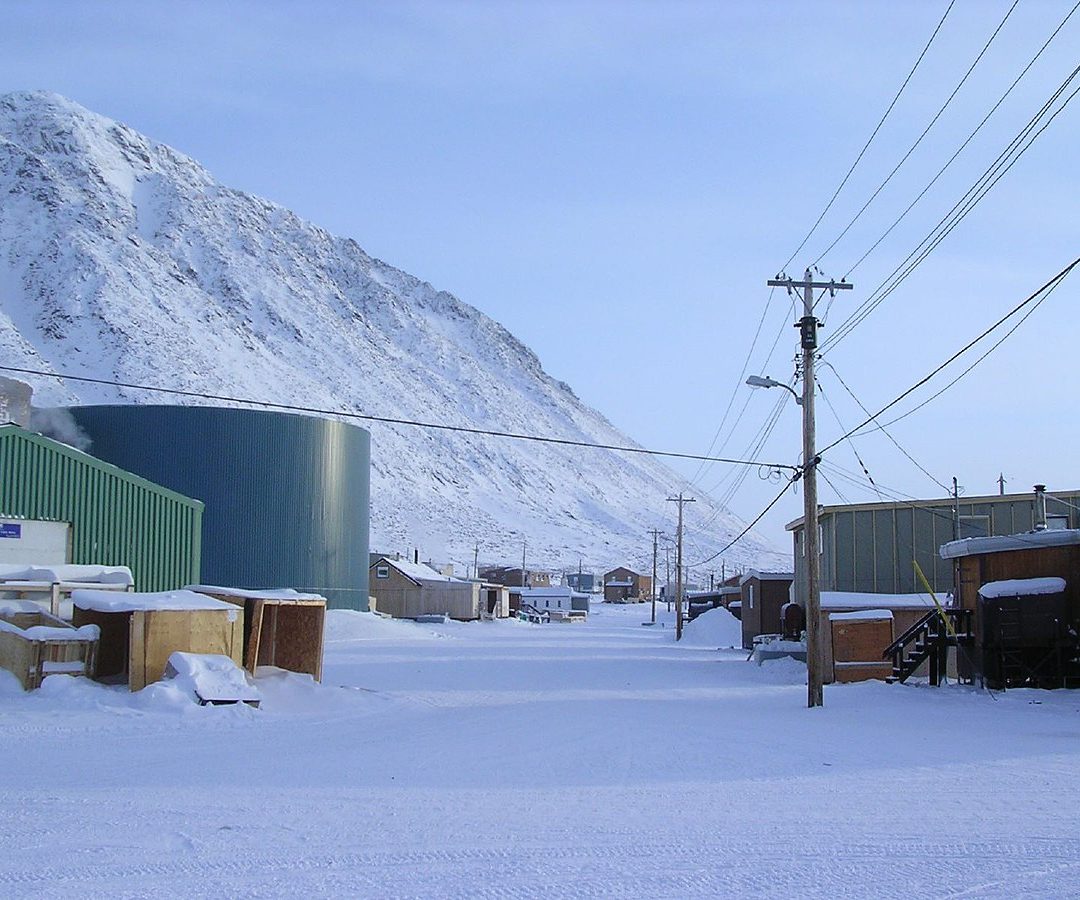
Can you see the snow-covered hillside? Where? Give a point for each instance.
(121, 258)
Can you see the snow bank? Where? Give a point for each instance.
(210, 678)
(349, 625)
(715, 628)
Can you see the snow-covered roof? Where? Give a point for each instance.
(862, 615)
(1051, 537)
(69, 574)
(111, 601)
(1022, 587)
(862, 600)
(276, 594)
(417, 571)
(766, 576)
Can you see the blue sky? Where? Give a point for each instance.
(614, 181)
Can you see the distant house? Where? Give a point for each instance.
(584, 582)
(626, 586)
(557, 601)
(763, 595)
(406, 590)
(511, 576)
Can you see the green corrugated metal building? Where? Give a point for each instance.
(116, 518)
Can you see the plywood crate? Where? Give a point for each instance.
(140, 631)
(858, 644)
(281, 628)
(34, 644)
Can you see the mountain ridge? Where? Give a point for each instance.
(124, 259)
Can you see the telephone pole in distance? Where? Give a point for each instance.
(678, 565)
(807, 326)
(655, 535)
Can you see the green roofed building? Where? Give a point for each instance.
(105, 515)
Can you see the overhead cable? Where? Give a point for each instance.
(1048, 286)
(919, 139)
(387, 420)
(870, 139)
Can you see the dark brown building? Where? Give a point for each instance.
(763, 596)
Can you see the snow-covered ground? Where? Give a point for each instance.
(511, 760)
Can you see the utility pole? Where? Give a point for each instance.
(807, 326)
(667, 577)
(679, 565)
(476, 561)
(655, 535)
(955, 510)
(523, 563)
(1001, 483)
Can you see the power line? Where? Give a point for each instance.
(919, 139)
(1049, 285)
(967, 141)
(387, 420)
(990, 350)
(746, 530)
(971, 198)
(870, 139)
(881, 427)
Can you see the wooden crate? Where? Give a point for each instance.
(858, 644)
(140, 631)
(34, 644)
(282, 631)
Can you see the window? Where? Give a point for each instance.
(974, 526)
(751, 596)
(1057, 522)
(382, 571)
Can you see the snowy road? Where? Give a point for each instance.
(505, 760)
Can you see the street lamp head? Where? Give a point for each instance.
(765, 381)
(761, 381)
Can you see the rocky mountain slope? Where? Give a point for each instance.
(122, 259)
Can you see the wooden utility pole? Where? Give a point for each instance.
(523, 563)
(667, 577)
(476, 561)
(679, 565)
(955, 510)
(655, 535)
(807, 326)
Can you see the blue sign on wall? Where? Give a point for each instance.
(10, 530)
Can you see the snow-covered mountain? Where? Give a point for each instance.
(122, 259)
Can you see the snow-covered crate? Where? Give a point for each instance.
(140, 631)
(282, 628)
(34, 644)
(858, 641)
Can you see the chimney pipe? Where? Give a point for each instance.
(1040, 507)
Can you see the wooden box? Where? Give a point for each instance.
(858, 641)
(281, 628)
(34, 644)
(140, 631)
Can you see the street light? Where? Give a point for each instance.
(764, 381)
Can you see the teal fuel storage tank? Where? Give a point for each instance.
(286, 496)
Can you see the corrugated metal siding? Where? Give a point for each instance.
(117, 519)
(286, 496)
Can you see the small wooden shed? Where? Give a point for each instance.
(858, 639)
(905, 610)
(282, 628)
(35, 644)
(763, 596)
(139, 631)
